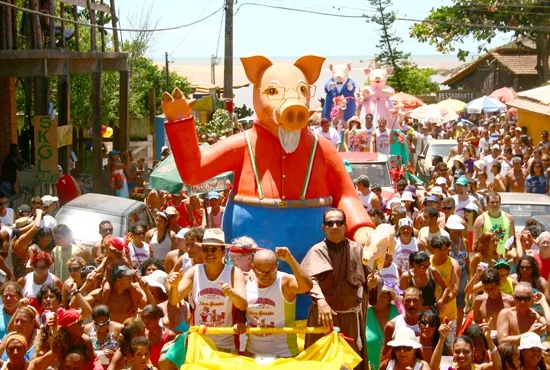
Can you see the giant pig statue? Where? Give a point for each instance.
(376, 96)
(285, 176)
(340, 85)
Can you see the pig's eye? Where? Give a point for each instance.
(271, 91)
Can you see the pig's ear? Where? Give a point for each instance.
(310, 65)
(368, 71)
(330, 67)
(348, 66)
(389, 70)
(254, 68)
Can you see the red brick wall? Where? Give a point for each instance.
(8, 122)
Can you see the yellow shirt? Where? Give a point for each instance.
(449, 311)
(507, 287)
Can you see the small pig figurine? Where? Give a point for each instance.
(340, 85)
(376, 96)
(286, 176)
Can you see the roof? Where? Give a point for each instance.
(361, 157)
(100, 203)
(524, 198)
(522, 64)
(535, 100)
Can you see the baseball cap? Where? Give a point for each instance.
(441, 181)
(393, 201)
(405, 222)
(454, 222)
(462, 181)
(171, 210)
(213, 195)
(518, 128)
(156, 279)
(530, 340)
(164, 148)
(59, 168)
(472, 207)
(117, 244)
(407, 196)
(405, 337)
(496, 146)
(431, 198)
(437, 190)
(24, 208)
(122, 270)
(48, 200)
(181, 233)
(114, 152)
(363, 180)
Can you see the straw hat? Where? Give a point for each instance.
(213, 237)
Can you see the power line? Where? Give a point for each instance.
(471, 25)
(191, 29)
(30, 11)
(220, 34)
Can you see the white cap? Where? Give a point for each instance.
(405, 222)
(480, 164)
(157, 279)
(164, 148)
(454, 222)
(405, 337)
(437, 190)
(171, 210)
(472, 207)
(181, 233)
(48, 200)
(530, 340)
(392, 202)
(441, 181)
(407, 195)
(496, 146)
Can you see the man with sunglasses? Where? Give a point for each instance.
(215, 289)
(336, 269)
(515, 321)
(412, 302)
(488, 305)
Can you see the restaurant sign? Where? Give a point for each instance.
(464, 95)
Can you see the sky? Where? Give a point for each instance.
(274, 32)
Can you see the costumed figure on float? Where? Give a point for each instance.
(340, 85)
(285, 176)
(376, 96)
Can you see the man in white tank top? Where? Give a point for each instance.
(366, 196)
(369, 127)
(214, 287)
(462, 198)
(413, 302)
(405, 244)
(380, 140)
(215, 212)
(272, 302)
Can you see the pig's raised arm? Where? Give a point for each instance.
(195, 165)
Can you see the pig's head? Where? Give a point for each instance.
(378, 77)
(340, 72)
(282, 93)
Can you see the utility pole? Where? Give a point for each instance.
(167, 73)
(213, 70)
(228, 57)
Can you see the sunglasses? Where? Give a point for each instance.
(425, 323)
(522, 299)
(525, 267)
(108, 230)
(75, 269)
(206, 249)
(337, 223)
(423, 267)
(402, 348)
(447, 208)
(87, 269)
(102, 324)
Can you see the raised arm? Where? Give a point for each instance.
(299, 282)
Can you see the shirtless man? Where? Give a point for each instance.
(124, 298)
(513, 322)
(456, 150)
(488, 305)
(172, 256)
(515, 178)
(413, 302)
(99, 248)
(499, 183)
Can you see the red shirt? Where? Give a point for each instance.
(183, 220)
(544, 265)
(66, 189)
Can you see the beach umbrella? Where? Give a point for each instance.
(166, 177)
(430, 113)
(484, 105)
(504, 94)
(407, 100)
(448, 115)
(452, 105)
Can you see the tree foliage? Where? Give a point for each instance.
(388, 45)
(415, 80)
(243, 112)
(448, 27)
(220, 122)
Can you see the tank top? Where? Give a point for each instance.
(382, 141)
(365, 200)
(160, 249)
(66, 190)
(428, 291)
(110, 342)
(61, 257)
(215, 221)
(268, 308)
(30, 290)
(211, 307)
(390, 275)
(138, 255)
(402, 252)
(500, 226)
(156, 349)
(460, 208)
(417, 366)
(369, 136)
(446, 269)
(400, 322)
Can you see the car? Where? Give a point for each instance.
(424, 166)
(544, 221)
(375, 165)
(83, 215)
(522, 206)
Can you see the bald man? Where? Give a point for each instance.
(271, 297)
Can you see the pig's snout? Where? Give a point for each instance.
(293, 117)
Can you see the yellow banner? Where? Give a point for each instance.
(45, 144)
(64, 135)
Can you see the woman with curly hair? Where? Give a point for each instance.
(510, 357)
(528, 271)
(132, 328)
(33, 281)
(150, 265)
(485, 250)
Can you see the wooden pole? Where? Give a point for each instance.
(62, 12)
(76, 33)
(93, 30)
(97, 157)
(14, 30)
(114, 20)
(102, 30)
(3, 24)
(9, 28)
(36, 30)
(63, 91)
(152, 117)
(228, 57)
(51, 24)
(123, 120)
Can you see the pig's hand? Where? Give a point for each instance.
(331, 85)
(176, 106)
(350, 86)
